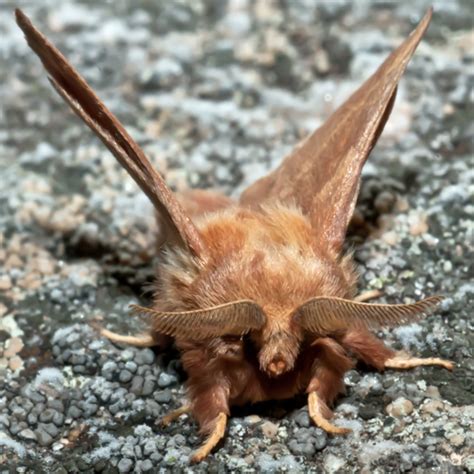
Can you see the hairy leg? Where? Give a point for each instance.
(368, 295)
(161, 341)
(172, 415)
(367, 348)
(327, 382)
(210, 407)
(145, 340)
(216, 434)
(213, 426)
(372, 351)
(218, 374)
(404, 361)
(318, 413)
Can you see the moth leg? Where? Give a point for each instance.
(171, 416)
(404, 361)
(368, 295)
(372, 351)
(316, 409)
(330, 364)
(367, 347)
(214, 437)
(209, 398)
(145, 340)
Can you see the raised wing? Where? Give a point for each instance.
(322, 175)
(85, 103)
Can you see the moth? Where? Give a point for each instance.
(258, 294)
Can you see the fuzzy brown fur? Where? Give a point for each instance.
(270, 257)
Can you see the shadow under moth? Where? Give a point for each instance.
(257, 294)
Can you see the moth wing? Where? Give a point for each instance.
(197, 202)
(322, 175)
(85, 103)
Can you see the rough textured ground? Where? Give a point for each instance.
(217, 92)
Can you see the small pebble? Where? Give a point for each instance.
(148, 386)
(165, 380)
(384, 202)
(432, 407)
(125, 376)
(269, 429)
(137, 385)
(333, 464)
(56, 405)
(13, 346)
(5, 282)
(27, 434)
(147, 465)
(253, 419)
(47, 415)
(149, 447)
(43, 437)
(49, 428)
(125, 465)
(131, 366)
(15, 363)
(126, 355)
(456, 439)
(400, 407)
(302, 419)
(4, 420)
(128, 451)
(145, 357)
(74, 412)
(58, 418)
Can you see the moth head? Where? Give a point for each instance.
(223, 328)
(277, 344)
(278, 350)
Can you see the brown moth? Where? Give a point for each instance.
(257, 294)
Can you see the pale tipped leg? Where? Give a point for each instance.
(368, 295)
(140, 341)
(216, 435)
(315, 409)
(167, 419)
(404, 361)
